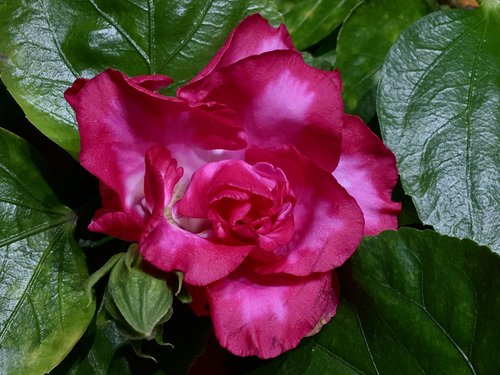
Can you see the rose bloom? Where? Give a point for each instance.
(251, 181)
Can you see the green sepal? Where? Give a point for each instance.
(137, 346)
(137, 297)
(182, 293)
(99, 274)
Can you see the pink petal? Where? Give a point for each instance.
(120, 118)
(253, 36)
(71, 94)
(281, 100)
(266, 315)
(112, 220)
(152, 82)
(117, 224)
(367, 170)
(170, 248)
(210, 178)
(160, 180)
(328, 221)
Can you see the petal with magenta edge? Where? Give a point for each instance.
(367, 170)
(266, 315)
(202, 261)
(119, 119)
(253, 36)
(280, 100)
(170, 248)
(328, 221)
(212, 177)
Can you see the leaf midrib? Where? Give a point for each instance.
(424, 309)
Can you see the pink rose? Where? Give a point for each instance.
(252, 182)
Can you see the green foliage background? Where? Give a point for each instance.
(418, 300)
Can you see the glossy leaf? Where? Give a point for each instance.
(267, 8)
(46, 44)
(364, 41)
(310, 21)
(43, 307)
(438, 105)
(95, 353)
(413, 303)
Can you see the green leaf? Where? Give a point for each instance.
(43, 307)
(96, 351)
(310, 21)
(413, 303)
(136, 297)
(438, 105)
(324, 62)
(267, 8)
(364, 40)
(47, 44)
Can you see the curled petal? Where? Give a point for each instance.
(112, 220)
(328, 221)
(367, 170)
(267, 315)
(152, 82)
(253, 36)
(160, 180)
(117, 224)
(280, 100)
(212, 177)
(120, 118)
(71, 94)
(170, 248)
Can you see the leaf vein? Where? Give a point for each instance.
(32, 231)
(57, 44)
(30, 284)
(340, 359)
(196, 27)
(366, 342)
(125, 35)
(468, 168)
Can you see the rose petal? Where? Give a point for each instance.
(119, 119)
(212, 177)
(113, 221)
(367, 170)
(281, 100)
(171, 248)
(331, 306)
(71, 94)
(328, 222)
(153, 82)
(160, 179)
(117, 224)
(253, 36)
(267, 315)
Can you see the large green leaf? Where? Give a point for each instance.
(95, 353)
(46, 44)
(310, 21)
(413, 303)
(439, 110)
(43, 307)
(364, 40)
